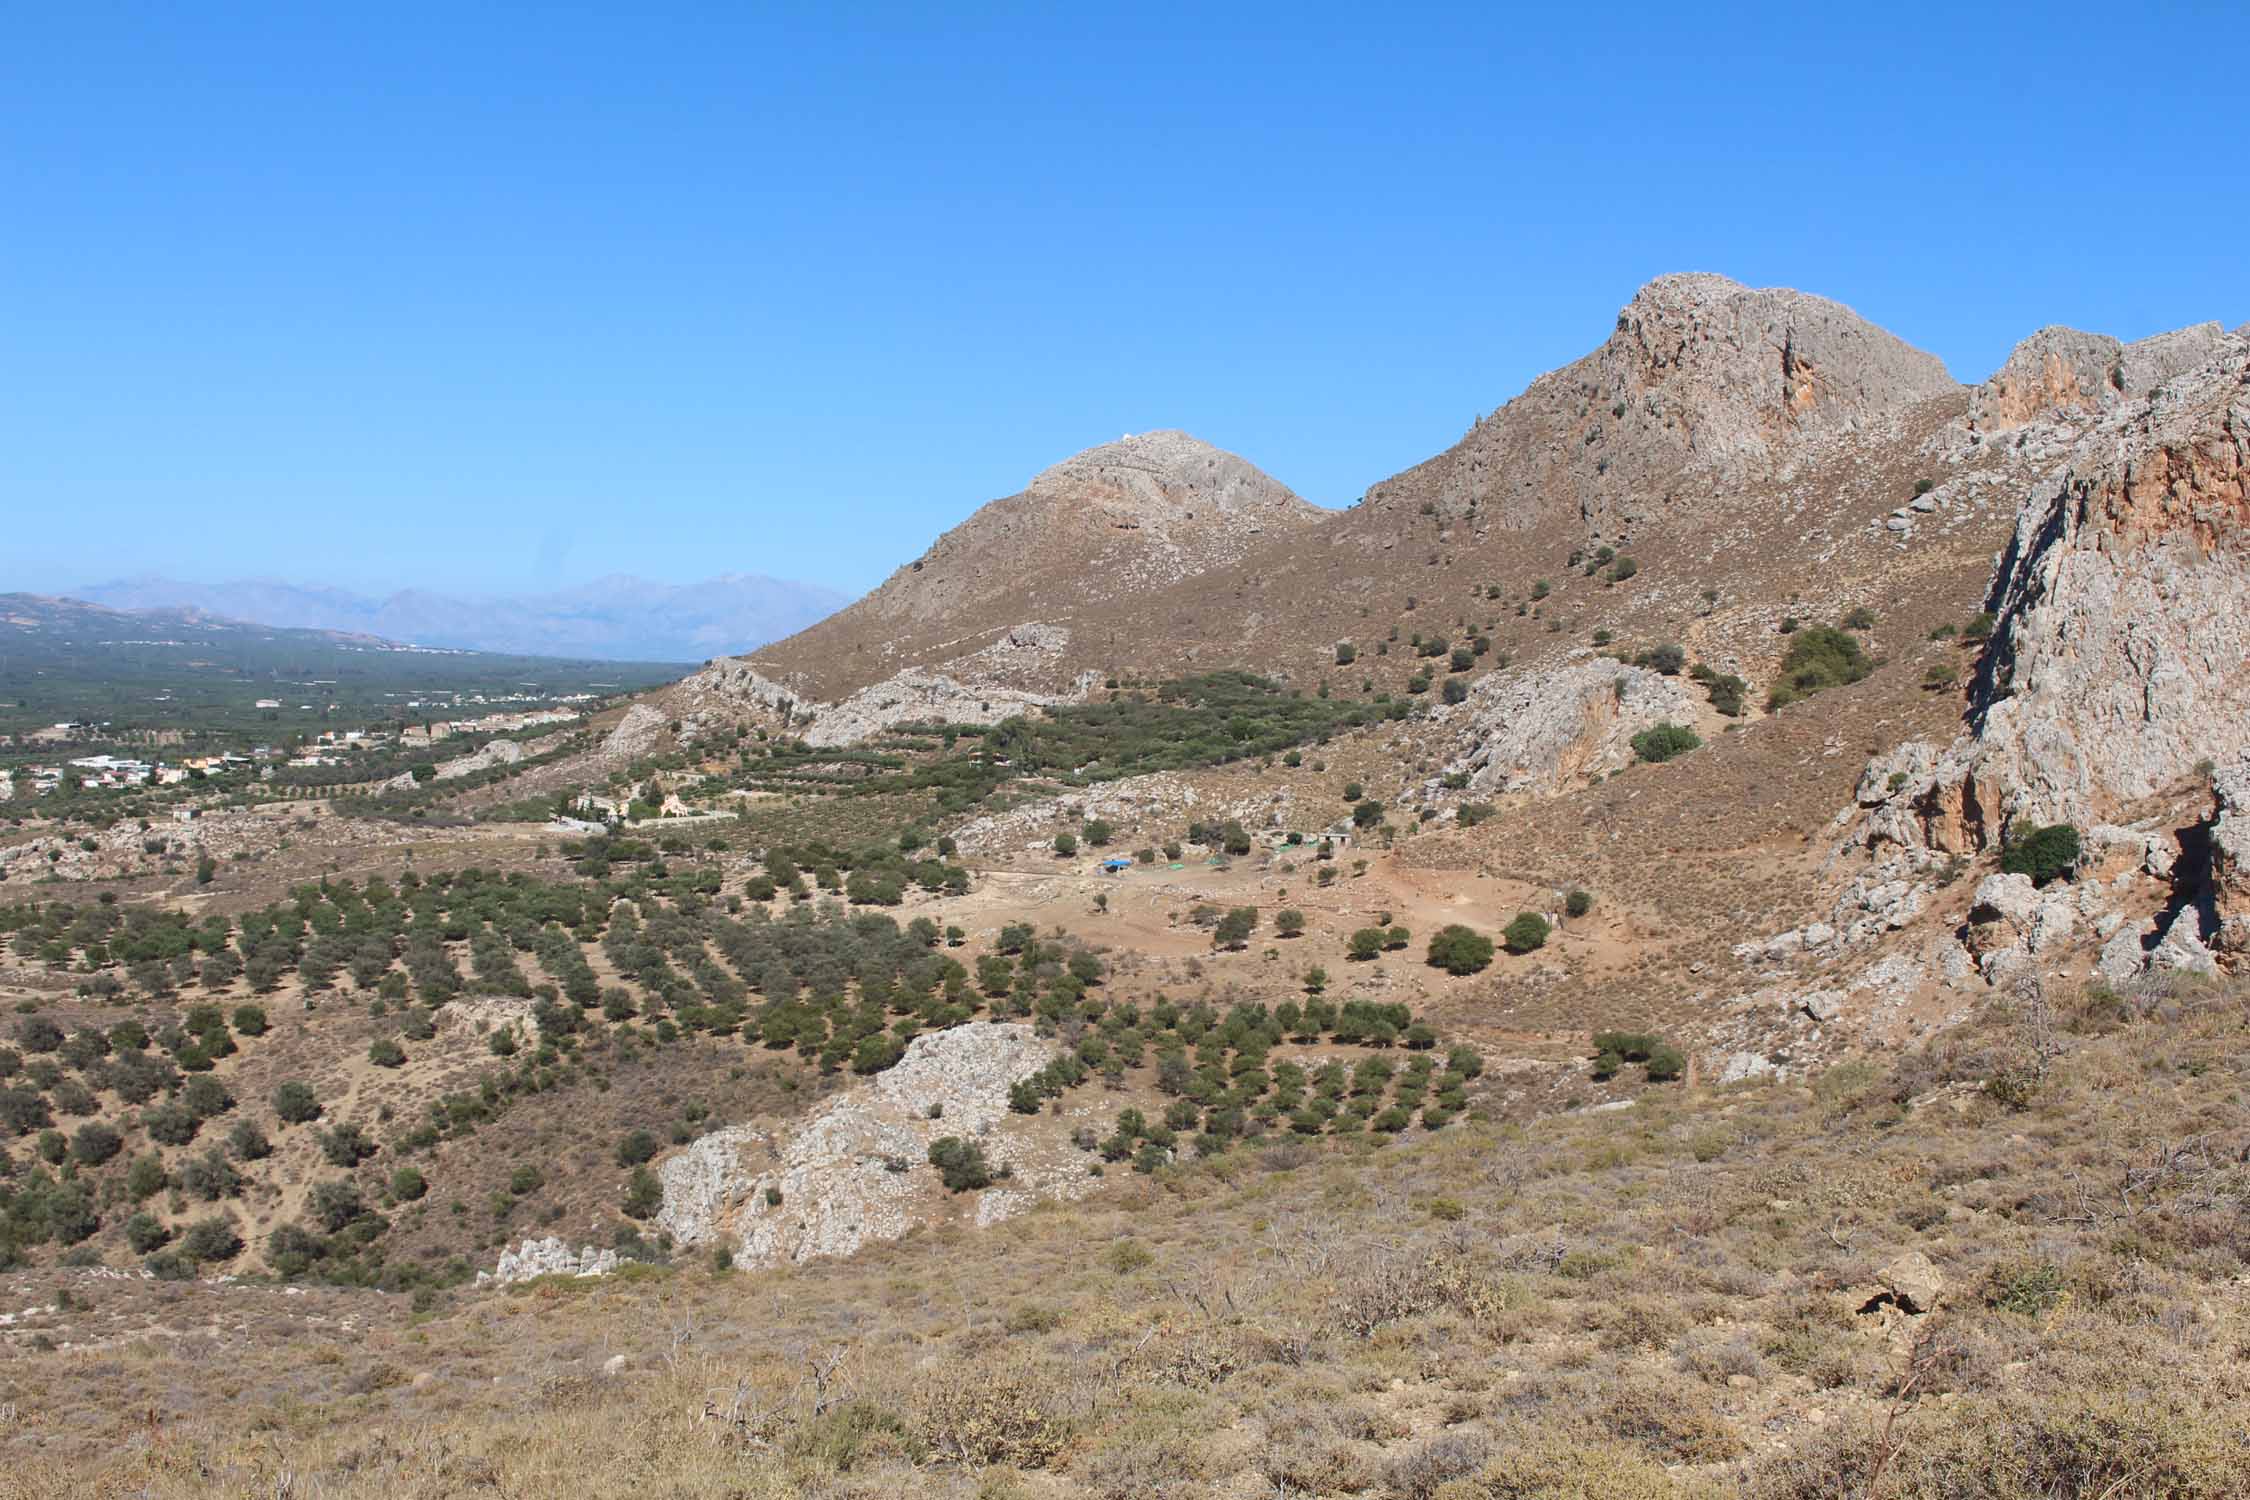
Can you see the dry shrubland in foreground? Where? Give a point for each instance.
(1713, 1292)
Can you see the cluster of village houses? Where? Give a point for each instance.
(100, 772)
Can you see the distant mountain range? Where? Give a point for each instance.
(617, 618)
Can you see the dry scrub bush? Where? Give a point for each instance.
(993, 1413)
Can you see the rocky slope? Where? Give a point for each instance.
(1118, 521)
(2112, 697)
(1522, 732)
(1703, 381)
(858, 1170)
(2062, 370)
(2117, 660)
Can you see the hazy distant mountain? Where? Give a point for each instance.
(618, 618)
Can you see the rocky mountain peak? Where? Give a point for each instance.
(1702, 379)
(1170, 474)
(1754, 360)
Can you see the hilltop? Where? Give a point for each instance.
(1101, 531)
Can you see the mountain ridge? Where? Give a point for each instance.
(617, 617)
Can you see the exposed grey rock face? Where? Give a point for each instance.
(1537, 732)
(2117, 665)
(548, 1257)
(2118, 661)
(494, 753)
(1162, 476)
(918, 696)
(1701, 376)
(858, 1169)
(2230, 860)
(982, 687)
(636, 735)
(2059, 370)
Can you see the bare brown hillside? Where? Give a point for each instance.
(1712, 416)
(1112, 524)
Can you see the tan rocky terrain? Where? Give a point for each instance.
(1832, 1132)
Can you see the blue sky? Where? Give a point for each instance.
(484, 297)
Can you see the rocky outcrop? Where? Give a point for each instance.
(548, 1257)
(858, 1170)
(2059, 372)
(982, 687)
(1703, 379)
(639, 733)
(494, 753)
(2117, 664)
(2230, 863)
(1164, 477)
(1536, 732)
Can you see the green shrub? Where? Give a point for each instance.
(1661, 1061)
(1726, 693)
(2043, 853)
(211, 1240)
(385, 1053)
(1667, 659)
(1820, 658)
(145, 1178)
(1578, 903)
(295, 1103)
(1460, 950)
(95, 1143)
(643, 1194)
(346, 1146)
(145, 1234)
(1527, 932)
(248, 1142)
(2027, 1287)
(1665, 741)
(1066, 845)
(961, 1164)
(170, 1125)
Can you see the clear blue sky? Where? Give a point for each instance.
(483, 297)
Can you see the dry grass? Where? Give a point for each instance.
(1666, 1301)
